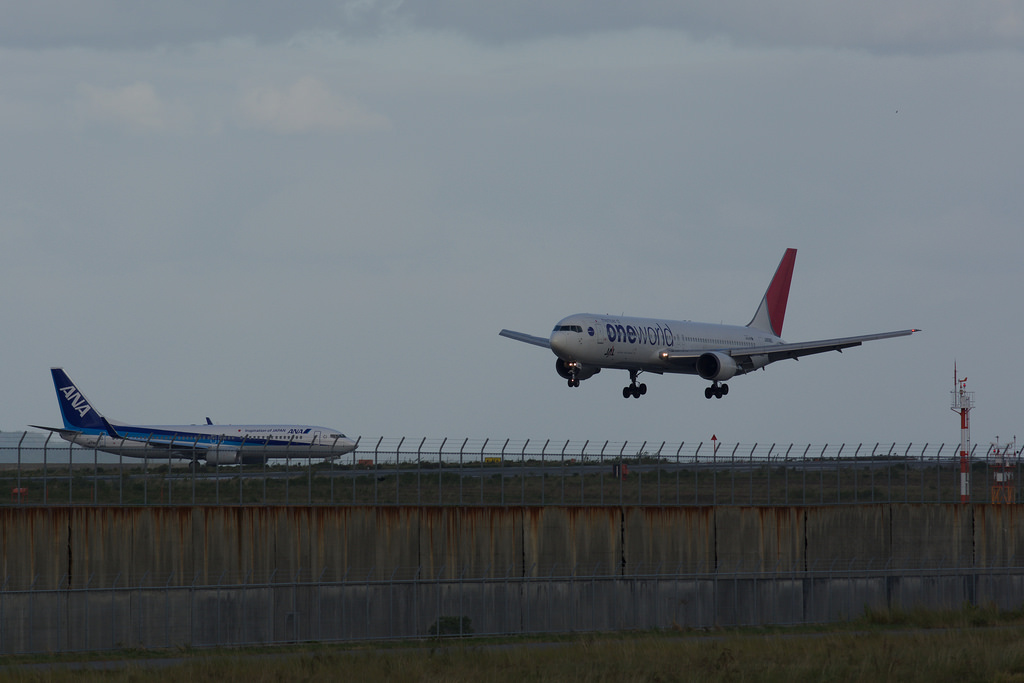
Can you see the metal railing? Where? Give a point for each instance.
(39, 470)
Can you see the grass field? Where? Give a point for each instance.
(533, 483)
(967, 645)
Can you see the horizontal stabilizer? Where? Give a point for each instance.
(58, 430)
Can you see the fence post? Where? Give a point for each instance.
(20, 498)
(696, 470)
(871, 470)
(583, 471)
(821, 476)
(657, 463)
(398, 469)
(888, 469)
(522, 473)
(419, 486)
(95, 476)
(309, 475)
(855, 494)
(714, 472)
(562, 457)
(45, 444)
(839, 472)
(440, 471)
(750, 465)
(543, 465)
(460, 464)
(640, 475)
(71, 473)
(785, 499)
(678, 451)
(621, 451)
(600, 471)
(906, 472)
(921, 499)
(501, 472)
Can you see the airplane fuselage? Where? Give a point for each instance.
(217, 443)
(629, 343)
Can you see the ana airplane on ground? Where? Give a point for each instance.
(586, 343)
(216, 444)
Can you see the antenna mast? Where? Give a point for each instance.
(963, 403)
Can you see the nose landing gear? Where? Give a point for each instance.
(717, 390)
(635, 390)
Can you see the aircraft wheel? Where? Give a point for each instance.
(707, 392)
(643, 389)
(725, 390)
(626, 392)
(575, 382)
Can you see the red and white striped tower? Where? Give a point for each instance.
(963, 402)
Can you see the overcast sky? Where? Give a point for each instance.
(324, 212)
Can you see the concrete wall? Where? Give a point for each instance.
(76, 547)
(104, 578)
(199, 616)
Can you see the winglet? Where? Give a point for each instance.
(75, 409)
(772, 311)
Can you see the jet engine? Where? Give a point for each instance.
(222, 456)
(716, 366)
(564, 368)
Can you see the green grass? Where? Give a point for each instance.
(323, 485)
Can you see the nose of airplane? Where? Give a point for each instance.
(560, 343)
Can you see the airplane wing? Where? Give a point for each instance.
(528, 338)
(751, 358)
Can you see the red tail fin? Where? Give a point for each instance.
(772, 311)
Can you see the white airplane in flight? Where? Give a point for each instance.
(586, 343)
(216, 444)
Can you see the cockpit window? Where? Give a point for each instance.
(568, 328)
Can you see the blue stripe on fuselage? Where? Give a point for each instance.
(185, 439)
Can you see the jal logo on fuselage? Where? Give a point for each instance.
(77, 401)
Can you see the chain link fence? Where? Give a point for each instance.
(42, 471)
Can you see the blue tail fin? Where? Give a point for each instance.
(75, 408)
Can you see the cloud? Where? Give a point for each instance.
(136, 106)
(305, 106)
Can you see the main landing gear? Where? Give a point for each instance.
(635, 390)
(717, 390)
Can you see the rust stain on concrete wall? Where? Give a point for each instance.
(54, 547)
